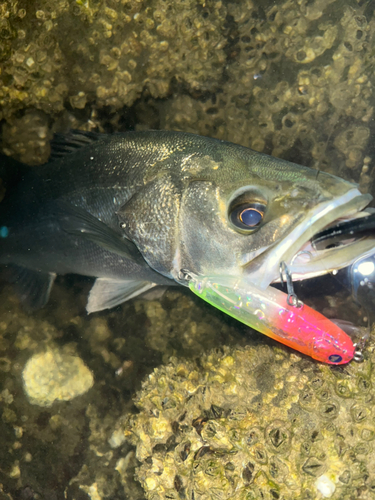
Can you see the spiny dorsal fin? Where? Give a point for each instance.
(65, 144)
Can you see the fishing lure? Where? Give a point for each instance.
(271, 312)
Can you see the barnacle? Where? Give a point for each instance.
(255, 423)
(28, 138)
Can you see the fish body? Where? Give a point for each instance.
(301, 328)
(134, 209)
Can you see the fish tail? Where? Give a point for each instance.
(32, 286)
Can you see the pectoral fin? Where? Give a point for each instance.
(78, 222)
(108, 293)
(32, 287)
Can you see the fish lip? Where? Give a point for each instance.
(265, 269)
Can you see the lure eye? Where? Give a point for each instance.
(335, 358)
(247, 216)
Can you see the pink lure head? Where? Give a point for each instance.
(334, 346)
(308, 331)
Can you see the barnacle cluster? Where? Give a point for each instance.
(256, 423)
(28, 137)
(105, 52)
(292, 78)
(298, 84)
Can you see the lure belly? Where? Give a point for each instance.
(301, 328)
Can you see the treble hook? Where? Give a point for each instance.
(292, 299)
(359, 348)
(358, 354)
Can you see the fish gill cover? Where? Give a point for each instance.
(295, 80)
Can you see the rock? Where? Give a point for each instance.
(254, 423)
(55, 376)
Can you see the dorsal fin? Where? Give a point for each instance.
(64, 144)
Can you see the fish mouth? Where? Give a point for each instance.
(296, 250)
(312, 261)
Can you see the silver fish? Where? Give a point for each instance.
(134, 209)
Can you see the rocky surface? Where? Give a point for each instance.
(256, 423)
(67, 382)
(293, 79)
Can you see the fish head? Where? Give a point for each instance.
(257, 211)
(234, 212)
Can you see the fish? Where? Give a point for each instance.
(268, 311)
(134, 209)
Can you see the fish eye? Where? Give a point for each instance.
(247, 216)
(250, 216)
